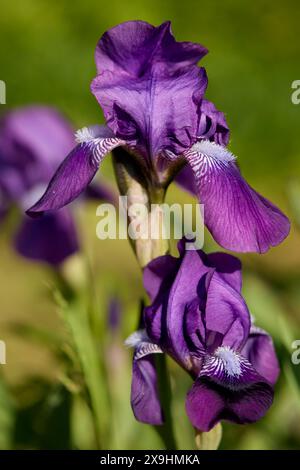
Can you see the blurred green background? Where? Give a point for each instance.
(46, 56)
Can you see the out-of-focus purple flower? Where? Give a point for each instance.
(200, 319)
(152, 94)
(33, 140)
(114, 313)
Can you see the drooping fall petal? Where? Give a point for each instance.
(238, 217)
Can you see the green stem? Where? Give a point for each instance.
(63, 285)
(134, 182)
(166, 431)
(77, 319)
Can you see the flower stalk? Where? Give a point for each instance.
(144, 212)
(140, 191)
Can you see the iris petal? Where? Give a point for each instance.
(157, 272)
(135, 46)
(144, 392)
(207, 403)
(37, 239)
(183, 291)
(77, 170)
(259, 350)
(145, 400)
(229, 369)
(212, 126)
(228, 267)
(228, 387)
(226, 313)
(238, 217)
(155, 112)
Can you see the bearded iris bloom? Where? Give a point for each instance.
(153, 97)
(200, 319)
(33, 140)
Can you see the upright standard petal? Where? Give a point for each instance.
(184, 290)
(159, 274)
(77, 170)
(137, 46)
(193, 289)
(238, 217)
(152, 112)
(226, 313)
(228, 267)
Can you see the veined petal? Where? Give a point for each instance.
(78, 169)
(153, 113)
(238, 217)
(204, 406)
(207, 404)
(229, 369)
(142, 344)
(144, 387)
(228, 387)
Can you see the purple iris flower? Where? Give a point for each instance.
(199, 317)
(152, 95)
(33, 140)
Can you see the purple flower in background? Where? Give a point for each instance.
(33, 140)
(152, 95)
(200, 319)
(114, 314)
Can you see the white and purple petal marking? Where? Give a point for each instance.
(98, 143)
(142, 344)
(229, 369)
(205, 157)
(78, 169)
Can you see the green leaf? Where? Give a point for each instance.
(89, 354)
(7, 417)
